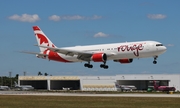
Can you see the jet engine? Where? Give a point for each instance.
(40, 56)
(99, 57)
(124, 61)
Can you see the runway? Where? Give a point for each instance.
(31, 93)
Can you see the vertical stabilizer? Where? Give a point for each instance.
(155, 85)
(15, 84)
(42, 39)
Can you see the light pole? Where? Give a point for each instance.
(10, 73)
(24, 73)
(2, 80)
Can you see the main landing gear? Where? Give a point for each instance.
(155, 58)
(91, 66)
(88, 65)
(104, 66)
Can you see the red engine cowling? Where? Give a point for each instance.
(123, 61)
(99, 57)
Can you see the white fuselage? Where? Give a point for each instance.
(118, 52)
(140, 49)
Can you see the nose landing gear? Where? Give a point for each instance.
(155, 58)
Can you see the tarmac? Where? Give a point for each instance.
(32, 93)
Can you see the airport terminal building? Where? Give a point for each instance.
(100, 83)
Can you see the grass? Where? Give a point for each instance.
(8, 101)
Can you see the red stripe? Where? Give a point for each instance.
(54, 56)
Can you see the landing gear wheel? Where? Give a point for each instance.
(154, 62)
(104, 66)
(88, 65)
(155, 58)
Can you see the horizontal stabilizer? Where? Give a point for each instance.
(35, 53)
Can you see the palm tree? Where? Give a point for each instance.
(39, 73)
(45, 74)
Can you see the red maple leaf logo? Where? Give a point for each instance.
(42, 38)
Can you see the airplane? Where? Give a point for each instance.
(23, 87)
(118, 52)
(4, 88)
(163, 88)
(126, 87)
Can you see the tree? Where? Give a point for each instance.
(7, 81)
(17, 75)
(39, 73)
(45, 74)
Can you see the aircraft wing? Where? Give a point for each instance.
(82, 55)
(34, 53)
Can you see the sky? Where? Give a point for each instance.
(86, 22)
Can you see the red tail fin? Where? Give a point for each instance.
(155, 85)
(42, 39)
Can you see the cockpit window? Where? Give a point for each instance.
(159, 44)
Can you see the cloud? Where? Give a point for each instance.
(170, 45)
(101, 34)
(95, 17)
(156, 16)
(145, 72)
(146, 4)
(25, 18)
(73, 17)
(54, 18)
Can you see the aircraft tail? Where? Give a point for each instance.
(42, 39)
(15, 84)
(155, 85)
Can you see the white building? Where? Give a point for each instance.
(100, 83)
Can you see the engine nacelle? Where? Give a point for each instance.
(41, 56)
(123, 61)
(99, 57)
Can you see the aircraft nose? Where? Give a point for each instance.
(163, 48)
